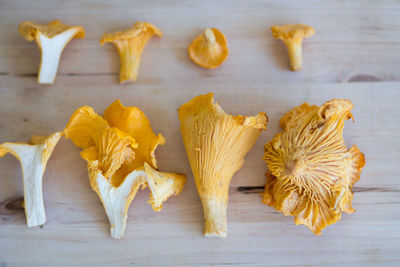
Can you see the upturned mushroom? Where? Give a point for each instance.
(216, 144)
(292, 36)
(33, 157)
(209, 49)
(119, 150)
(130, 44)
(311, 170)
(51, 39)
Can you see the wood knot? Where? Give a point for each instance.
(364, 78)
(12, 206)
(250, 189)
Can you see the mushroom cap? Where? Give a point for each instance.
(124, 132)
(292, 31)
(134, 122)
(216, 142)
(209, 54)
(30, 29)
(48, 144)
(312, 170)
(138, 28)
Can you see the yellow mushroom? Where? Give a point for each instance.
(119, 151)
(51, 39)
(130, 44)
(216, 144)
(312, 170)
(292, 36)
(209, 49)
(33, 158)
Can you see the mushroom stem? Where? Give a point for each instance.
(51, 50)
(209, 35)
(116, 201)
(33, 194)
(215, 223)
(294, 50)
(294, 167)
(30, 158)
(129, 59)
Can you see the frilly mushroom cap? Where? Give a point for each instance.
(119, 150)
(311, 169)
(130, 44)
(216, 144)
(209, 49)
(134, 122)
(292, 31)
(30, 29)
(134, 32)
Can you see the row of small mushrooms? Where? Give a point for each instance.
(208, 50)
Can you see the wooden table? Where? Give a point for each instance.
(354, 54)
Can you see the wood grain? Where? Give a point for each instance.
(355, 54)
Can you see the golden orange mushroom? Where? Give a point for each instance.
(209, 49)
(33, 157)
(119, 150)
(216, 144)
(130, 44)
(51, 39)
(292, 36)
(311, 170)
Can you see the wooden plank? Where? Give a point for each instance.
(355, 41)
(352, 39)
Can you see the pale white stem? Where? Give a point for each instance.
(32, 168)
(209, 35)
(215, 222)
(116, 200)
(52, 49)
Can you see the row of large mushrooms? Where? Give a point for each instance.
(311, 169)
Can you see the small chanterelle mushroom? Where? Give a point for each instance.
(311, 169)
(33, 158)
(130, 44)
(292, 36)
(51, 39)
(119, 149)
(216, 144)
(209, 49)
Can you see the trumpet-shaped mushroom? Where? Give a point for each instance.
(130, 44)
(311, 169)
(119, 151)
(33, 158)
(216, 144)
(51, 39)
(209, 49)
(292, 36)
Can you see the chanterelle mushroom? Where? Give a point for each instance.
(33, 158)
(292, 36)
(209, 49)
(311, 169)
(130, 44)
(119, 150)
(51, 39)
(216, 144)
